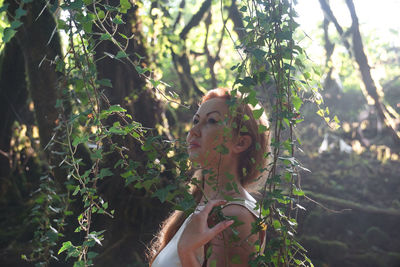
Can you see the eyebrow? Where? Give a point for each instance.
(215, 111)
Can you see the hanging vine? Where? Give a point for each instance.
(271, 71)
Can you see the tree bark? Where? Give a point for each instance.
(42, 78)
(13, 96)
(236, 18)
(137, 214)
(357, 49)
(328, 14)
(365, 69)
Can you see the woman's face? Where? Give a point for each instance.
(208, 132)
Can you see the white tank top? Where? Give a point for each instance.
(168, 257)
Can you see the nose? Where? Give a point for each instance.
(194, 131)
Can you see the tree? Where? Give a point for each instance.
(104, 115)
(356, 49)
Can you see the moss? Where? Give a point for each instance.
(393, 259)
(376, 237)
(366, 260)
(375, 259)
(324, 250)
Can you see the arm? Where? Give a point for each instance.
(231, 250)
(197, 234)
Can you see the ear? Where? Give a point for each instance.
(242, 143)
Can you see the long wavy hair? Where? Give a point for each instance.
(251, 162)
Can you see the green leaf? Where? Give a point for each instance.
(8, 34)
(252, 98)
(236, 259)
(228, 187)
(87, 26)
(258, 53)
(296, 102)
(116, 108)
(139, 69)
(105, 36)
(20, 13)
(80, 139)
(244, 129)
(104, 82)
(92, 254)
(105, 172)
(121, 54)
(327, 111)
(119, 163)
(163, 192)
(258, 113)
(118, 20)
(77, 4)
(97, 154)
(123, 36)
(222, 149)
(297, 192)
(209, 251)
(276, 224)
(131, 178)
(243, 9)
(320, 112)
(66, 246)
(101, 14)
(262, 128)
(79, 264)
(155, 83)
(125, 6)
(285, 35)
(15, 24)
(4, 7)
(77, 189)
(116, 130)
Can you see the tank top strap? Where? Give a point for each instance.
(249, 205)
(253, 208)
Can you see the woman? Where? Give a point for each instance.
(232, 160)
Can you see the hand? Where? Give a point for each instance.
(197, 233)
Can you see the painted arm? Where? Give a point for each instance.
(197, 234)
(234, 249)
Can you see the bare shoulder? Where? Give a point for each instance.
(238, 211)
(234, 245)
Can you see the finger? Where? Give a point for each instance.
(221, 227)
(213, 203)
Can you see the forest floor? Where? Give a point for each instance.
(356, 220)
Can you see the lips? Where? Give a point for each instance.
(193, 145)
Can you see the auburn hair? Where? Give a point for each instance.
(251, 161)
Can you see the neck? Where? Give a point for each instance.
(222, 181)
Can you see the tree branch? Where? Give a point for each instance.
(181, 6)
(236, 17)
(195, 20)
(365, 70)
(328, 14)
(329, 46)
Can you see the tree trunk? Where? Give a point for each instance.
(39, 47)
(13, 96)
(137, 215)
(365, 69)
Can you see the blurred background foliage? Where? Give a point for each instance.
(352, 192)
